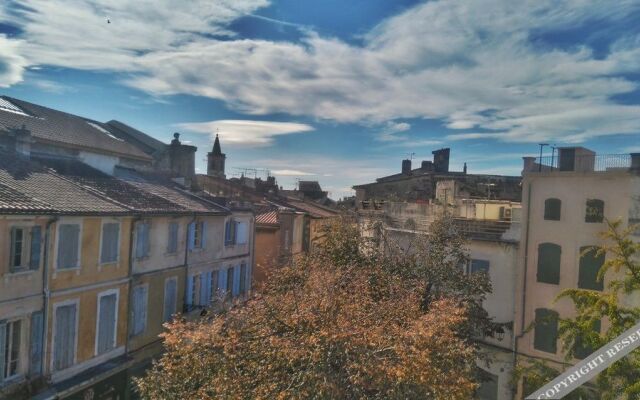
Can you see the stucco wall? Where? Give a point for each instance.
(267, 252)
(159, 258)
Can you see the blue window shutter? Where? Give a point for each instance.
(190, 281)
(236, 281)
(203, 240)
(36, 240)
(227, 232)
(35, 363)
(222, 280)
(140, 239)
(3, 331)
(204, 288)
(191, 235)
(147, 239)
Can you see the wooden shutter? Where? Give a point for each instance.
(191, 236)
(549, 255)
(139, 309)
(190, 288)
(590, 264)
(65, 336)
(552, 209)
(36, 243)
(229, 284)
(110, 236)
(147, 238)
(205, 284)
(546, 330)
(222, 280)
(140, 240)
(203, 235)
(170, 298)
(243, 278)
(3, 339)
(106, 323)
(68, 246)
(242, 232)
(172, 245)
(236, 281)
(227, 232)
(35, 362)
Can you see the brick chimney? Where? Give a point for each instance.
(406, 167)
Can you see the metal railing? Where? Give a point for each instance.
(581, 163)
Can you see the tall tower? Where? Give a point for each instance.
(215, 160)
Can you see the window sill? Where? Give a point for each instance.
(140, 259)
(21, 272)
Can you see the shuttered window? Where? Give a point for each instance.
(68, 246)
(583, 350)
(594, 211)
(479, 266)
(107, 317)
(143, 244)
(36, 244)
(243, 278)
(229, 285)
(205, 286)
(222, 283)
(546, 330)
(35, 346)
(590, 264)
(110, 239)
(236, 281)
(139, 310)
(549, 263)
(172, 243)
(230, 232)
(552, 209)
(214, 286)
(170, 298)
(10, 353)
(190, 292)
(64, 346)
(242, 233)
(17, 249)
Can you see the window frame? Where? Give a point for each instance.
(133, 332)
(170, 237)
(76, 303)
(538, 264)
(13, 268)
(479, 260)
(109, 292)
(57, 248)
(547, 215)
(598, 219)
(198, 231)
(230, 232)
(7, 360)
(175, 299)
(106, 221)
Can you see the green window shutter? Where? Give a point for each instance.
(552, 209)
(590, 265)
(583, 350)
(549, 263)
(595, 211)
(546, 330)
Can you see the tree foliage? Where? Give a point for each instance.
(345, 322)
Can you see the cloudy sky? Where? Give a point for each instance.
(333, 90)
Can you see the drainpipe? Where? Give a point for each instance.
(524, 276)
(46, 294)
(186, 263)
(132, 231)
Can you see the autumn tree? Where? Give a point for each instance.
(601, 316)
(340, 323)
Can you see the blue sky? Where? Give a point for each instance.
(338, 91)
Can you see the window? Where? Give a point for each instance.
(205, 287)
(229, 287)
(139, 312)
(583, 350)
(213, 289)
(230, 232)
(590, 264)
(595, 211)
(549, 263)
(64, 342)
(488, 389)
(17, 248)
(196, 235)
(35, 362)
(479, 266)
(107, 322)
(10, 333)
(170, 298)
(143, 245)
(243, 278)
(172, 243)
(546, 330)
(25, 253)
(68, 246)
(552, 209)
(242, 233)
(110, 242)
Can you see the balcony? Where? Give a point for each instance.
(582, 160)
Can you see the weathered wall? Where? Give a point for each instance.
(267, 252)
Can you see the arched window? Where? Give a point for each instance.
(546, 330)
(549, 263)
(552, 209)
(595, 211)
(590, 264)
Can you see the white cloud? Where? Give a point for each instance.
(390, 129)
(290, 172)
(471, 64)
(12, 64)
(246, 132)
